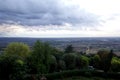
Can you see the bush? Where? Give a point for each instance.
(61, 65)
(84, 61)
(96, 61)
(111, 75)
(52, 64)
(115, 64)
(69, 73)
(12, 68)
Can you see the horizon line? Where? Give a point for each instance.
(62, 37)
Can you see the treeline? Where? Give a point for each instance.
(18, 60)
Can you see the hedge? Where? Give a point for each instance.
(85, 73)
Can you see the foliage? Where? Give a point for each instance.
(105, 59)
(83, 73)
(84, 62)
(61, 65)
(12, 68)
(115, 64)
(96, 61)
(17, 49)
(84, 78)
(70, 60)
(78, 62)
(63, 74)
(69, 49)
(39, 59)
(18, 61)
(52, 64)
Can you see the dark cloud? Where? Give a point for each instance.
(44, 12)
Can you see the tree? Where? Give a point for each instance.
(12, 68)
(17, 49)
(82, 62)
(115, 64)
(78, 62)
(69, 49)
(70, 60)
(61, 65)
(96, 61)
(105, 57)
(52, 64)
(40, 57)
(109, 60)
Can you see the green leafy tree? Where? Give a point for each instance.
(96, 61)
(61, 65)
(69, 49)
(82, 62)
(17, 49)
(40, 58)
(12, 68)
(78, 62)
(70, 60)
(57, 53)
(106, 58)
(52, 64)
(115, 64)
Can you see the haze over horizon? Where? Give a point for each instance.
(59, 18)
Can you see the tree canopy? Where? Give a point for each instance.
(17, 49)
(69, 49)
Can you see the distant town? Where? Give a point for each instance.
(85, 45)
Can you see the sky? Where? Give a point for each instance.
(59, 18)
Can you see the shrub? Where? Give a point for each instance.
(69, 73)
(96, 61)
(12, 68)
(84, 61)
(115, 64)
(61, 65)
(52, 64)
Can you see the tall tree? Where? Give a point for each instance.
(70, 60)
(12, 68)
(40, 57)
(106, 58)
(69, 49)
(115, 64)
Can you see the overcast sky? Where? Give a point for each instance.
(59, 18)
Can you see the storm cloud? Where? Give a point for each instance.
(59, 18)
(45, 12)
